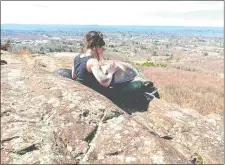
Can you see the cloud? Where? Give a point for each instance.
(178, 13)
(40, 6)
(191, 15)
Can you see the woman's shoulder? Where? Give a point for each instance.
(92, 61)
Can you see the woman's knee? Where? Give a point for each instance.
(64, 72)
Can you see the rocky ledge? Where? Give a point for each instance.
(48, 119)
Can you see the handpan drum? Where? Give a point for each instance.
(124, 73)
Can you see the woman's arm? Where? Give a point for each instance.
(102, 78)
(73, 73)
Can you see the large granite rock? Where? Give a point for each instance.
(48, 119)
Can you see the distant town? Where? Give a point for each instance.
(129, 41)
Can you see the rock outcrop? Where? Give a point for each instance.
(48, 119)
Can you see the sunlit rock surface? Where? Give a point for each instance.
(48, 119)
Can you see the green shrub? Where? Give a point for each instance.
(154, 53)
(150, 63)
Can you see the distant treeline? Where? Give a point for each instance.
(46, 47)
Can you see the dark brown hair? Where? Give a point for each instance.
(92, 40)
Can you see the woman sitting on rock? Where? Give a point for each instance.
(87, 66)
(87, 70)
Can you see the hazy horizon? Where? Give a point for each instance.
(115, 13)
(111, 25)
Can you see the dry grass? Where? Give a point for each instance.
(203, 92)
(24, 52)
(6, 46)
(204, 99)
(203, 64)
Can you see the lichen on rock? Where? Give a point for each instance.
(49, 119)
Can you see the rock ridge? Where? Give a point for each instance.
(48, 119)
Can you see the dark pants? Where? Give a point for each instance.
(132, 87)
(128, 94)
(64, 72)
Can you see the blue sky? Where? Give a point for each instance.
(155, 13)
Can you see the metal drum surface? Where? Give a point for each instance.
(125, 72)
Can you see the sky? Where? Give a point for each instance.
(149, 13)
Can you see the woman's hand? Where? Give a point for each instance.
(112, 68)
(103, 78)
